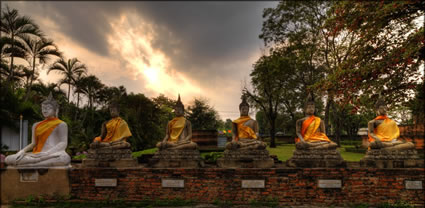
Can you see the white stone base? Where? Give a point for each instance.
(22, 182)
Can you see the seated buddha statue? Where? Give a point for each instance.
(114, 132)
(311, 130)
(48, 143)
(383, 132)
(245, 131)
(178, 133)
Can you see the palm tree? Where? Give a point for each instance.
(16, 27)
(4, 41)
(5, 52)
(78, 86)
(41, 49)
(24, 73)
(69, 68)
(91, 87)
(41, 91)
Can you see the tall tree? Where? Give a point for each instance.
(267, 93)
(69, 69)
(78, 86)
(40, 49)
(16, 27)
(202, 116)
(385, 58)
(91, 86)
(300, 27)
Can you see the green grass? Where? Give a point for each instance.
(284, 152)
(146, 151)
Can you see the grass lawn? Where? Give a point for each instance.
(283, 152)
(146, 151)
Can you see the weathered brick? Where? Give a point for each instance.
(290, 186)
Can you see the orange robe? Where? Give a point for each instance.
(43, 131)
(175, 128)
(116, 129)
(310, 133)
(244, 131)
(386, 131)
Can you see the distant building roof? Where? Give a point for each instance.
(362, 131)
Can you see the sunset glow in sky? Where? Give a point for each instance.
(197, 49)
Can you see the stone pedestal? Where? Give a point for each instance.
(176, 159)
(381, 158)
(109, 157)
(316, 158)
(245, 159)
(20, 183)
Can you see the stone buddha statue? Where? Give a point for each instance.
(49, 141)
(111, 149)
(245, 131)
(385, 151)
(114, 131)
(383, 132)
(246, 150)
(313, 147)
(311, 130)
(178, 133)
(177, 149)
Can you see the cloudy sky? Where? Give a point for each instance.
(197, 49)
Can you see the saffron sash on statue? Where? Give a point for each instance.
(244, 131)
(43, 131)
(386, 131)
(310, 133)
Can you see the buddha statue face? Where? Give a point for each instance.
(309, 109)
(244, 110)
(114, 112)
(48, 110)
(179, 111)
(381, 110)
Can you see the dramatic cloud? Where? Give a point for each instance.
(193, 48)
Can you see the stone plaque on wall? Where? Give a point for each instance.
(29, 176)
(172, 183)
(413, 185)
(253, 184)
(105, 182)
(326, 183)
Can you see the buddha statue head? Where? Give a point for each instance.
(50, 107)
(380, 107)
(244, 107)
(309, 105)
(179, 108)
(114, 109)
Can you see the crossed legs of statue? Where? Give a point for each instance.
(56, 159)
(389, 146)
(177, 146)
(246, 144)
(114, 145)
(316, 145)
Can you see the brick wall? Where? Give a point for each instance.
(289, 186)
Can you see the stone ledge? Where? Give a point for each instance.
(130, 162)
(19, 183)
(316, 159)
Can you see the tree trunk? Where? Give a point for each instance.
(69, 91)
(31, 79)
(11, 60)
(272, 132)
(327, 109)
(338, 128)
(78, 99)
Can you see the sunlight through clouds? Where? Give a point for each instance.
(131, 39)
